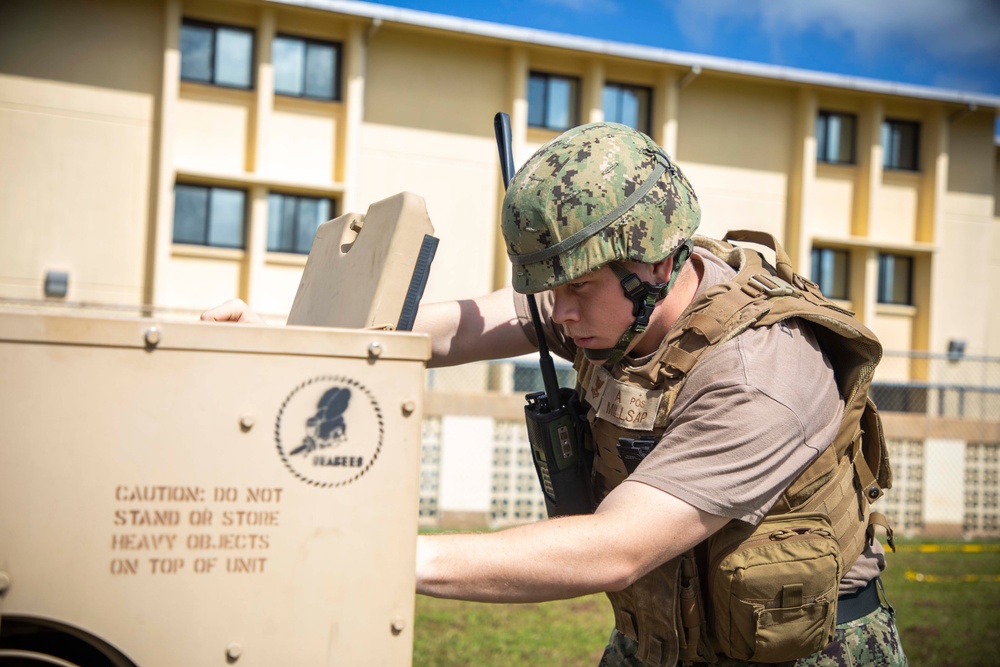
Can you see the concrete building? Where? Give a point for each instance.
(177, 153)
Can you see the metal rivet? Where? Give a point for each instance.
(152, 337)
(4, 582)
(873, 492)
(246, 423)
(398, 625)
(233, 652)
(409, 407)
(375, 349)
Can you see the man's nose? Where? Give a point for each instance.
(564, 307)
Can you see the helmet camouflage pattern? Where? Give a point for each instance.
(597, 193)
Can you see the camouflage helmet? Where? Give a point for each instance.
(596, 194)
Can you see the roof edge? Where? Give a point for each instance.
(648, 53)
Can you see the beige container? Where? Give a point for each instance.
(186, 493)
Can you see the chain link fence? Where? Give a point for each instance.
(939, 386)
(941, 416)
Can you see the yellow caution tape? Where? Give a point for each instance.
(946, 578)
(940, 548)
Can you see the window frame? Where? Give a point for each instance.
(298, 198)
(821, 154)
(208, 217)
(198, 23)
(645, 124)
(574, 102)
(818, 252)
(338, 49)
(885, 266)
(890, 124)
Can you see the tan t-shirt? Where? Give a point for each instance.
(752, 415)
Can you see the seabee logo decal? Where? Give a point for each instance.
(329, 431)
(327, 428)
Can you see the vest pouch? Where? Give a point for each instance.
(774, 587)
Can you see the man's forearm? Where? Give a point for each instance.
(550, 560)
(473, 329)
(441, 321)
(636, 528)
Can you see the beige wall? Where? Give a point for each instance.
(216, 270)
(77, 115)
(213, 127)
(894, 326)
(830, 207)
(302, 141)
(895, 210)
(992, 245)
(428, 129)
(739, 166)
(968, 262)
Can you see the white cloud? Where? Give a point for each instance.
(958, 29)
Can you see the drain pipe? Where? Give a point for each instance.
(373, 27)
(691, 75)
(959, 114)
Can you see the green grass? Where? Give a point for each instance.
(946, 621)
(943, 623)
(565, 633)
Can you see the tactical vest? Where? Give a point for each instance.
(665, 611)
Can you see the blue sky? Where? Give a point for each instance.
(952, 44)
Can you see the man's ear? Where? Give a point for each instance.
(662, 269)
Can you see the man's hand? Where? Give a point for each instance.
(234, 310)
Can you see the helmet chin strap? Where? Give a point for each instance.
(644, 297)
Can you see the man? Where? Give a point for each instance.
(739, 418)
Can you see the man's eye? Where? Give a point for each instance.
(577, 285)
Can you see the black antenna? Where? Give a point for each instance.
(501, 127)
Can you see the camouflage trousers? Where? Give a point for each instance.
(869, 640)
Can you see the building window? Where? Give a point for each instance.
(552, 101)
(628, 105)
(900, 143)
(831, 271)
(895, 279)
(216, 54)
(835, 137)
(209, 216)
(292, 221)
(306, 68)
